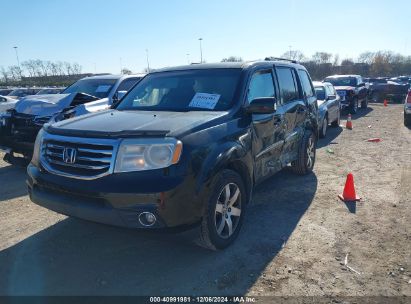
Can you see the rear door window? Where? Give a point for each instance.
(288, 85)
(306, 83)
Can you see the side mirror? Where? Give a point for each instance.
(118, 96)
(262, 105)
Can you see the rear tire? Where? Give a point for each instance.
(224, 212)
(304, 163)
(364, 103)
(324, 125)
(336, 123)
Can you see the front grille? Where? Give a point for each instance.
(92, 158)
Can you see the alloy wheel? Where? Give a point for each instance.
(325, 125)
(228, 210)
(310, 152)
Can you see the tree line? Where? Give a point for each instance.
(36, 71)
(368, 64)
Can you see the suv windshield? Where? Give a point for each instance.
(189, 90)
(96, 87)
(342, 81)
(18, 92)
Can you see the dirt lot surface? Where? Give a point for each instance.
(294, 241)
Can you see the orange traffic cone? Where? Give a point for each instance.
(349, 190)
(349, 122)
(385, 102)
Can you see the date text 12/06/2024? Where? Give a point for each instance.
(202, 299)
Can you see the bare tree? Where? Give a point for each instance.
(126, 71)
(5, 74)
(336, 60)
(366, 57)
(322, 57)
(15, 72)
(347, 61)
(67, 68)
(76, 68)
(294, 55)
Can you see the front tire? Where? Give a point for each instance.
(225, 211)
(407, 120)
(354, 106)
(304, 163)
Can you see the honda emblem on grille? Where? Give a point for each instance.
(69, 155)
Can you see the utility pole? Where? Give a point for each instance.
(17, 56)
(201, 50)
(148, 63)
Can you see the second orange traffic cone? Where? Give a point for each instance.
(349, 122)
(349, 194)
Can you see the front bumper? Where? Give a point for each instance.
(18, 134)
(118, 199)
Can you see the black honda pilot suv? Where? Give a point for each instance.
(185, 146)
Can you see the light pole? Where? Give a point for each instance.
(148, 63)
(17, 56)
(18, 61)
(188, 58)
(201, 50)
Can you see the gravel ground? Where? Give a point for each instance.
(295, 239)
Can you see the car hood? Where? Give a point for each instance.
(44, 105)
(93, 106)
(344, 88)
(113, 123)
(9, 104)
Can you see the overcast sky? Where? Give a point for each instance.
(102, 35)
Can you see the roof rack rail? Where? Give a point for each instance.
(279, 58)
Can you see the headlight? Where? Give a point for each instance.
(37, 147)
(147, 154)
(4, 116)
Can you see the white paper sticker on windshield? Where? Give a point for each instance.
(103, 88)
(204, 101)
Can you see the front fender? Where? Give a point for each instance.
(221, 156)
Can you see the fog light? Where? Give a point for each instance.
(147, 219)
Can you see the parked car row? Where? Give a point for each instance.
(381, 88)
(18, 93)
(21, 124)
